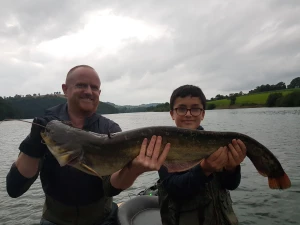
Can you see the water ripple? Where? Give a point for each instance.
(253, 201)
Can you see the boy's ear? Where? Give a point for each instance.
(203, 114)
(172, 113)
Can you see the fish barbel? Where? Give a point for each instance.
(101, 154)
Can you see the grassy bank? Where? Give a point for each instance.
(249, 100)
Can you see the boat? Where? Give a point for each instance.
(143, 209)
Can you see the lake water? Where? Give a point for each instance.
(254, 203)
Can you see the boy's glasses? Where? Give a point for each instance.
(183, 111)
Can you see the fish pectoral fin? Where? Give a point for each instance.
(174, 166)
(89, 170)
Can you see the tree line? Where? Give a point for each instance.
(289, 100)
(295, 83)
(19, 107)
(29, 106)
(276, 99)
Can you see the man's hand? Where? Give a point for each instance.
(236, 154)
(150, 158)
(32, 149)
(37, 127)
(215, 162)
(32, 145)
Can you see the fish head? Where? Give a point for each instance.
(61, 142)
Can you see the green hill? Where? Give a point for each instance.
(29, 107)
(7, 110)
(249, 100)
(133, 108)
(266, 95)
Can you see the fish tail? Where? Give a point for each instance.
(282, 182)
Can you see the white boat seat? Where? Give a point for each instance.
(140, 210)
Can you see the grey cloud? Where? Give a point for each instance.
(44, 20)
(223, 47)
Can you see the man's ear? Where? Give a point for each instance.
(64, 88)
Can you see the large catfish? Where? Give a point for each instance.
(101, 154)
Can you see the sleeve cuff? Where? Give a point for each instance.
(237, 170)
(198, 172)
(110, 190)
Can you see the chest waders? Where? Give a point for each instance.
(59, 213)
(212, 205)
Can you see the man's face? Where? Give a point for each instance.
(82, 90)
(193, 117)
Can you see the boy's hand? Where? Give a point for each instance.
(236, 154)
(215, 162)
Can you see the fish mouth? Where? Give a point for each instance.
(65, 157)
(62, 155)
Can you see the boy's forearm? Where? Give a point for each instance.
(231, 179)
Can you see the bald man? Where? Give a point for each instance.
(72, 196)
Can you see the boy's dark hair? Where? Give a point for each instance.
(187, 90)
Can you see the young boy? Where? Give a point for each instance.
(200, 195)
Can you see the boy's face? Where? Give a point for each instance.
(190, 121)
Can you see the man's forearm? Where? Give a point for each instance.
(16, 183)
(27, 166)
(123, 178)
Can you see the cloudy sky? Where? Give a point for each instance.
(143, 50)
